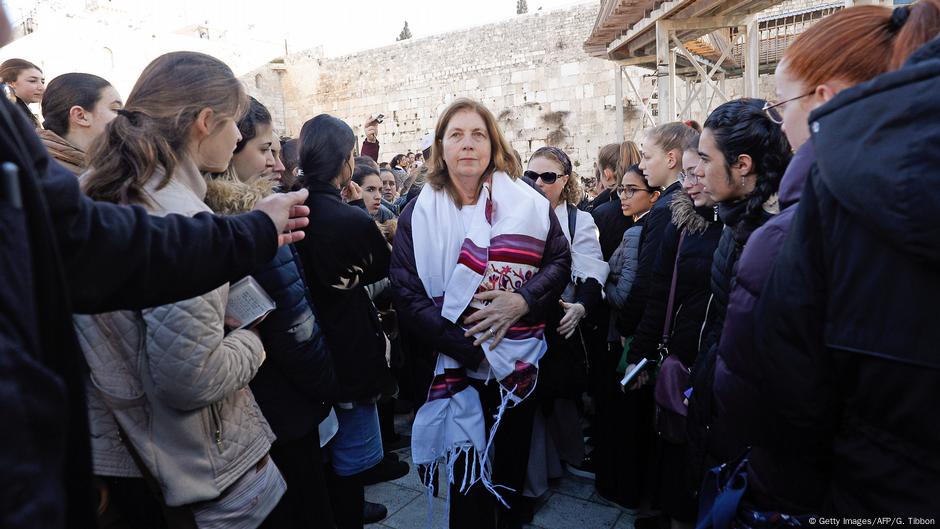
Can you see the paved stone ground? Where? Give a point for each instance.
(570, 504)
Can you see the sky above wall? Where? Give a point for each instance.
(339, 26)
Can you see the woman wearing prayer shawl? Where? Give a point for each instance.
(479, 263)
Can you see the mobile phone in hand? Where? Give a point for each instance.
(630, 376)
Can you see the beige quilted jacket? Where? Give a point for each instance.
(177, 384)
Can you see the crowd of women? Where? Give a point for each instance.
(730, 330)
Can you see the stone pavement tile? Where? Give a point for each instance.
(574, 486)
(625, 521)
(391, 496)
(409, 480)
(566, 512)
(415, 514)
(542, 500)
(596, 498)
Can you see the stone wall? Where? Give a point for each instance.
(530, 71)
(266, 85)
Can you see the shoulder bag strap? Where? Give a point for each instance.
(667, 327)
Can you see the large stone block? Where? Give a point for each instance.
(572, 68)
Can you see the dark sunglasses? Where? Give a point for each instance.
(547, 178)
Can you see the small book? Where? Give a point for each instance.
(247, 304)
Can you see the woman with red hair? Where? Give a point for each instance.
(827, 363)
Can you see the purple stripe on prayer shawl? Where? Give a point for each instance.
(475, 251)
(472, 256)
(522, 380)
(447, 385)
(518, 242)
(524, 333)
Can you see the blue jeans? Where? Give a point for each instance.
(357, 446)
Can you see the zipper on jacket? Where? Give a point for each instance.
(704, 323)
(216, 415)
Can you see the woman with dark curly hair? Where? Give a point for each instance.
(743, 156)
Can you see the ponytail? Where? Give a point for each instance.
(618, 157)
(152, 130)
(127, 156)
(917, 24)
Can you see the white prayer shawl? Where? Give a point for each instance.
(587, 259)
(501, 250)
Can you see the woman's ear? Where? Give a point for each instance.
(654, 196)
(202, 126)
(827, 91)
(673, 158)
(744, 166)
(78, 116)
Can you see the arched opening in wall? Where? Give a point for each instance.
(259, 82)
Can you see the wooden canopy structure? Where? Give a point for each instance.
(692, 46)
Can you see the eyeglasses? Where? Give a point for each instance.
(770, 107)
(687, 177)
(628, 192)
(547, 178)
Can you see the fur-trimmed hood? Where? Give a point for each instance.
(687, 217)
(228, 196)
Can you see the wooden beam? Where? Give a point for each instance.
(637, 61)
(701, 71)
(710, 23)
(648, 23)
(708, 82)
(698, 9)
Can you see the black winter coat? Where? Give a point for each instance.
(701, 404)
(342, 252)
(653, 231)
(649, 330)
(848, 356)
(61, 253)
(602, 198)
(419, 314)
(296, 380)
(692, 262)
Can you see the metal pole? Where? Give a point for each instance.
(618, 94)
(752, 59)
(662, 70)
(673, 88)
